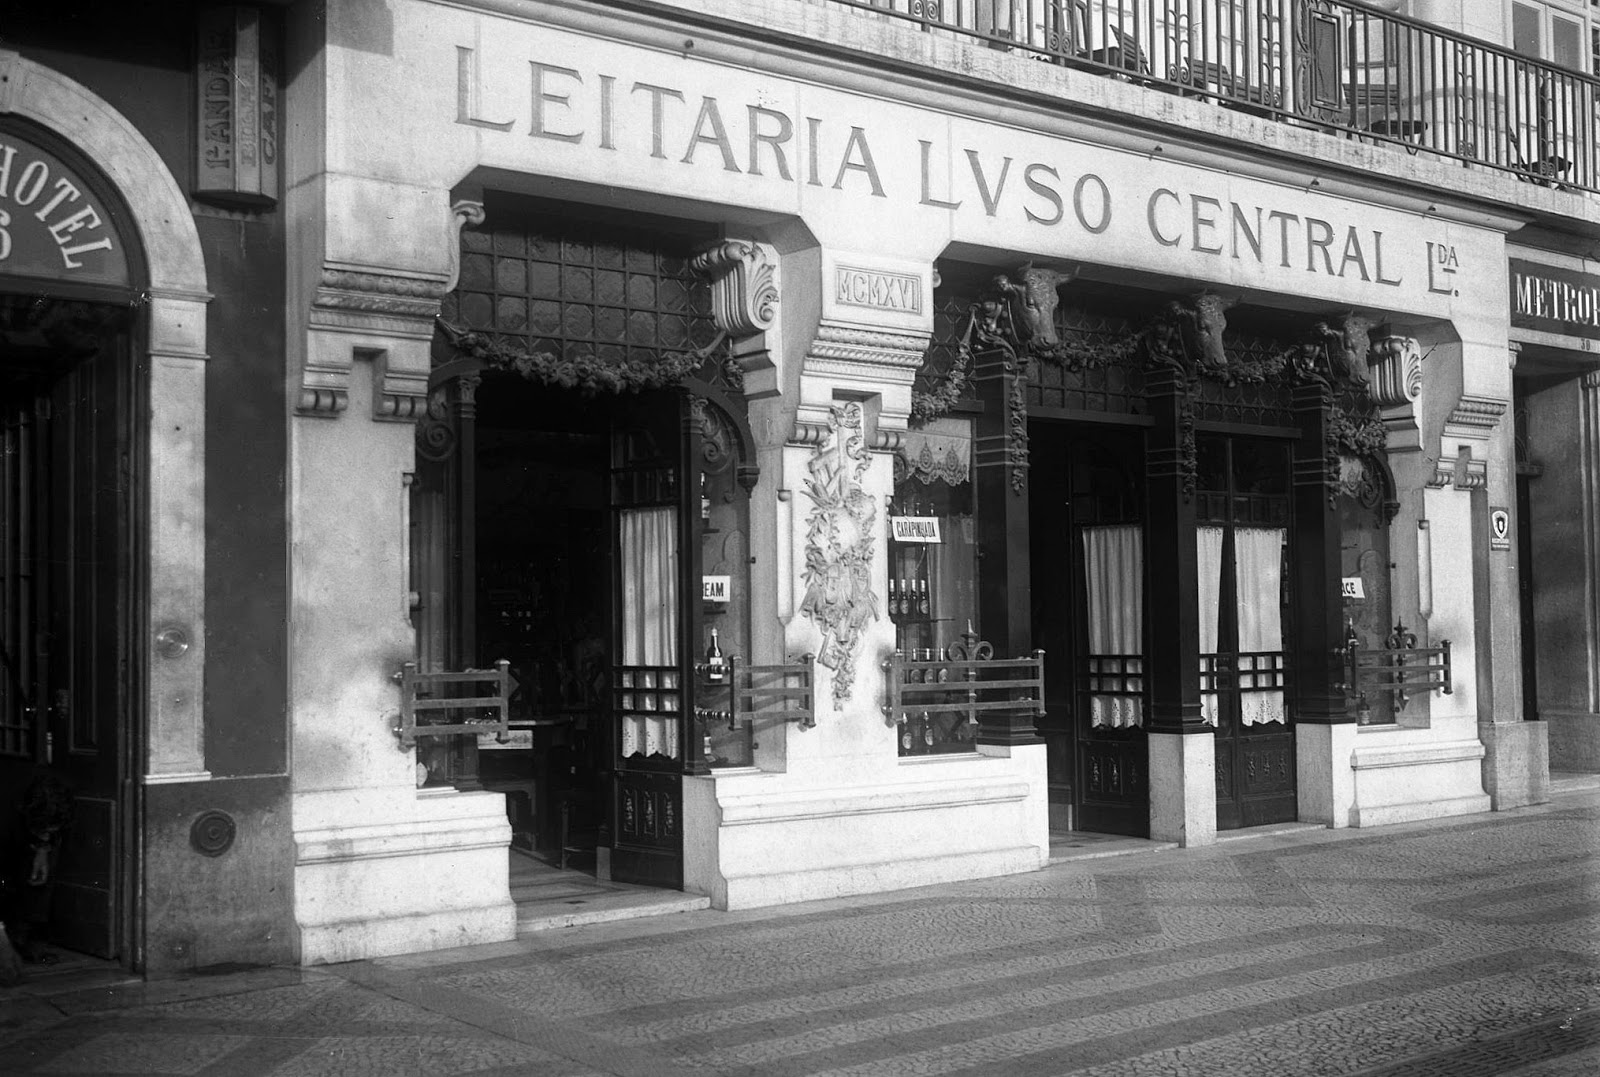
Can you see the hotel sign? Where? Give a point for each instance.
(1552, 299)
(51, 225)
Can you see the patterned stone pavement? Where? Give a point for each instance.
(1454, 948)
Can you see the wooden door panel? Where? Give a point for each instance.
(82, 908)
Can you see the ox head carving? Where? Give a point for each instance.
(1032, 291)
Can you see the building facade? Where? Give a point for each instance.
(786, 451)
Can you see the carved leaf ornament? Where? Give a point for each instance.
(587, 373)
(1017, 318)
(839, 547)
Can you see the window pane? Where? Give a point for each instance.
(1525, 30)
(1565, 43)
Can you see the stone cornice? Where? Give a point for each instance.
(1475, 417)
(368, 291)
(854, 345)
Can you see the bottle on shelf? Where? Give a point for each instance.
(716, 665)
(922, 597)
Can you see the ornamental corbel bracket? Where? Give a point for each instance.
(1394, 363)
(744, 290)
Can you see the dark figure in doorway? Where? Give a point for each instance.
(31, 839)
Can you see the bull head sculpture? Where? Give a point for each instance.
(1032, 292)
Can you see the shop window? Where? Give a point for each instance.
(933, 572)
(727, 737)
(1366, 579)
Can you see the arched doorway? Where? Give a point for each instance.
(118, 364)
(69, 540)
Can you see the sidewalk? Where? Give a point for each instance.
(1453, 948)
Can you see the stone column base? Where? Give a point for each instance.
(1183, 788)
(1516, 763)
(1325, 783)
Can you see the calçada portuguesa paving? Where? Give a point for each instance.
(1454, 948)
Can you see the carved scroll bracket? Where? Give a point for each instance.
(840, 540)
(1395, 366)
(744, 290)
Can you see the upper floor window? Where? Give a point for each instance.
(1555, 31)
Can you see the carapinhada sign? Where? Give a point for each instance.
(1553, 299)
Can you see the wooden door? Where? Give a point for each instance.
(65, 540)
(1085, 479)
(1246, 626)
(651, 692)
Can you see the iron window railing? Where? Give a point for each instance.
(1339, 65)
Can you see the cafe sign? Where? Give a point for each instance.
(51, 223)
(1553, 299)
(236, 108)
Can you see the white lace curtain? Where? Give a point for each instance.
(1258, 558)
(1208, 550)
(1114, 566)
(1258, 575)
(649, 549)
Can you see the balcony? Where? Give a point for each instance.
(1336, 65)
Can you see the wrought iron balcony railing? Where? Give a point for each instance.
(1339, 65)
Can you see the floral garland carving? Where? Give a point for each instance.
(839, 544)
(588, 374)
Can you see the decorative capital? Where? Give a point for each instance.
(1395, 367)
(1475, 417)
(743, 291)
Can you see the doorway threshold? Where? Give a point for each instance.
(549, 897)
(1070, 845)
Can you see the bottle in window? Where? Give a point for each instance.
(716, 665)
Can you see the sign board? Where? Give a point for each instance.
(1499, 529)
(716, 588)
(1350, 587)
(915, 529)
(1553, 299)
(518, 738)
(51, 222)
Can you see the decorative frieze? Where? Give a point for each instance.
(744, 291)
(840, 539)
